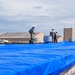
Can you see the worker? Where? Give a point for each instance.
(55, 37)
(52, 34)
(32, 33)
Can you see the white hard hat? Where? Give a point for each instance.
(52, 28)
(34, 25)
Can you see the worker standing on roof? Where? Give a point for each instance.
(55, 37)
(32, 33)
(52, 35)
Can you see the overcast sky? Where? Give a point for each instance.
(21, 15)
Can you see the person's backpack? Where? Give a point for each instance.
(30, 31)
(51, 33)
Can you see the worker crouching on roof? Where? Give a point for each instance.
(32, 33)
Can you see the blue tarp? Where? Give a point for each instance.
(36, 59)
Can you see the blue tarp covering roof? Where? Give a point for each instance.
(36, 59)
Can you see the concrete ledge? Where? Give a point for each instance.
(70, 71)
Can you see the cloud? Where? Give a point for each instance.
(14, 7)
(20, 15)
(70, 21)
(38, 7)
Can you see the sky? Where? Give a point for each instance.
(21, 15)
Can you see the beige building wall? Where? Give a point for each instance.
(60, 38)
(39, 37)
(21, 37)
(68, 34)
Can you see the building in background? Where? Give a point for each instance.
(20, 37)
(69, 34)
